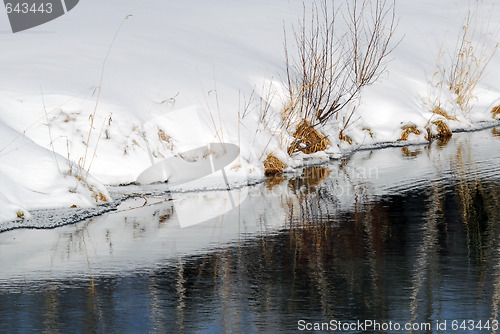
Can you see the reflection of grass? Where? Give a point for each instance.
(410, 154)
(274, 180)
(310, 179)
(479, 202)
(495, 132)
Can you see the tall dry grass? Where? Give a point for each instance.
(462, 70)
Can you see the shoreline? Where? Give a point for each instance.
(57, 217)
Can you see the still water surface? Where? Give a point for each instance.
(400, 235)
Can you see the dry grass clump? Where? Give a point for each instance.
(407, 130)
(162, 136)
(20, 214)
(308, 139)
(441, 112)
(495, 132)
(273, 165)
(496, 111)
(442, 130)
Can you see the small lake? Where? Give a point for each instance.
(396, 236)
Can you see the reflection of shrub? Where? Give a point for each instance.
(330, 68)
(311, 177)
(409, 153)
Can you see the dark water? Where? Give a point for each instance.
(419, 242)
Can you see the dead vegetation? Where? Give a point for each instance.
(440, 130)
(332, 66)
(311, 177)
(314, 175)
(344, 137)
(495, 111)
(273, 165)
(407, 130)
(461, 70)
(410, 153)
(274, 181)
(308, 139)
(369, 130)
(439, 111)
(95, 193)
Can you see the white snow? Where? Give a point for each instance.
(180, 75)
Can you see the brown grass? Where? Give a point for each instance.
(440, 111)
(162, 136)
(407, 130)
(496, 111)
(273, 165)
(308, 139)
(495, 132)
(96, 195)
(473, 53)
(369, 131)
(443, 131)
(344, 137)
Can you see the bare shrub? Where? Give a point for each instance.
(331, 66)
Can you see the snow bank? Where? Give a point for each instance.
(33, 177)
(181, 74)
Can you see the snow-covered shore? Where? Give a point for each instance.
(182, 74)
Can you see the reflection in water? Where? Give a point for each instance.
(411, 152)
(419, 241)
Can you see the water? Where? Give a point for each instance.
(395, 235)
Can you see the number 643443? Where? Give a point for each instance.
(25, 8)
